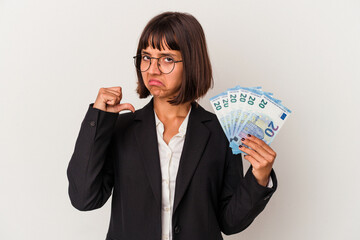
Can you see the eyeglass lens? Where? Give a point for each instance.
(165, 64)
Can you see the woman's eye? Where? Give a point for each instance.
(146, 58)
(168, 60)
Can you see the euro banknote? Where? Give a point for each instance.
(243, 111)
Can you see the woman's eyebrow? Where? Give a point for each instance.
(161, 54)
(168, 54)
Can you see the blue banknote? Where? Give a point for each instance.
(242, 111)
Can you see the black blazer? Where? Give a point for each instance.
(118, 153)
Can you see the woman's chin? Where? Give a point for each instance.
(160, 93)
(156, 93)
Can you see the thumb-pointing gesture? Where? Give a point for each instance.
(108, 100)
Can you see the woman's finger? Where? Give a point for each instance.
(262, 144)
(121, 107)
(252, 160)
(265, 155)
(110, 98)
(251, 152)
(114, 92)
(116, 89)
(126, 106)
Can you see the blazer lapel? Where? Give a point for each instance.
(147, 140)
(196, 138)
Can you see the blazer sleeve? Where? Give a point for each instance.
(242, 198)
(90, 170)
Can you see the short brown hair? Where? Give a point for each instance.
(179, 31)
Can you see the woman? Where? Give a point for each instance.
(168, 165)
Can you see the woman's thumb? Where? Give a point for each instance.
(125, 106)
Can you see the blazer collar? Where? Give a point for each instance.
(196, 138)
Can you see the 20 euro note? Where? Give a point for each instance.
(233, 108)
(220, 105)
(236, 104)
(249, 98)
(248, 111)
(266, 122)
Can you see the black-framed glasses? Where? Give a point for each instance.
(166, 64)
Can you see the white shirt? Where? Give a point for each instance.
(169, 161)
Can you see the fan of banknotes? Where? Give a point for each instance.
(243, 111)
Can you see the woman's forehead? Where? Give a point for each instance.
(164, 50)
(161, 41)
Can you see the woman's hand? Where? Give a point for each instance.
(108, 100)
(261, 156)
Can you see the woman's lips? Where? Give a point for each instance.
(154, 82)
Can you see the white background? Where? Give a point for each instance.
(55, 55)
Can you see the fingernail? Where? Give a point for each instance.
(249, 135)
(242, 139)
(240, 146)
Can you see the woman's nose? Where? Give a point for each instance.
(154, 68)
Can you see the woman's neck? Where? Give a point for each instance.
(164, 110)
